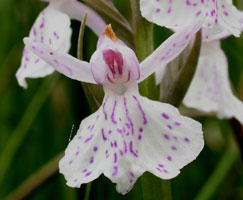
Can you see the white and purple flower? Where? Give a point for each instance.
(210, 89)
(129, 134)
(220, 16)
(52, 27)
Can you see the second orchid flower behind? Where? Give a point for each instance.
(129, 134)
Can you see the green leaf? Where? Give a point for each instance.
(20, 132)
(179, 74)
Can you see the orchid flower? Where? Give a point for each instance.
(220, 16)
(129, 134)
(52, 27)
(210, 89)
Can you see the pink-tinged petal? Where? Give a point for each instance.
(47, 29)
(62, 62)
(228, 17)
(168, 50)
(210, 89)
(128, 135)
(113, 62)
(173, 14)
(76, 10)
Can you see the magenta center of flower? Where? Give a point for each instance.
(116, 72)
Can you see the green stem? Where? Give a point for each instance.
(144, 46)
(24, 125)
(87, 191)
(81, 38)
(152, 187)
(35, 180)
(93, 93)
(166, 188)
(229, 158)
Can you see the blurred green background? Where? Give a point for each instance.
(57, 105)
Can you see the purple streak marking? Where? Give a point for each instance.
(113, 113)
(115, 171)
(104, 104)
(141, 110)
(131, 149)
(127, 115)
(88, 139)
(103, 134)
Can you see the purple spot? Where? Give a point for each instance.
(161, 165)
(173, 148)
(95, 149)
(165, 116)
(37, 60)
(88, 174)
(169, 158)
(169, 127)
(139, 137)
(177, 123)
(91, 160)
(115, 157)
(70, 162)
(158, 169)
(166, 136)
(76, 154)
(115, 143)
(141, 130)
(85, 170)
(125, 146)
(186, 139)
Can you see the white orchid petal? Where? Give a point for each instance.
(228, 17)
(76, 10)
(210, 88)
(159, 74)
(220, 16)
(168, 50)
(62, 62)
(47, 29)
(128, 135)
(173, 14)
